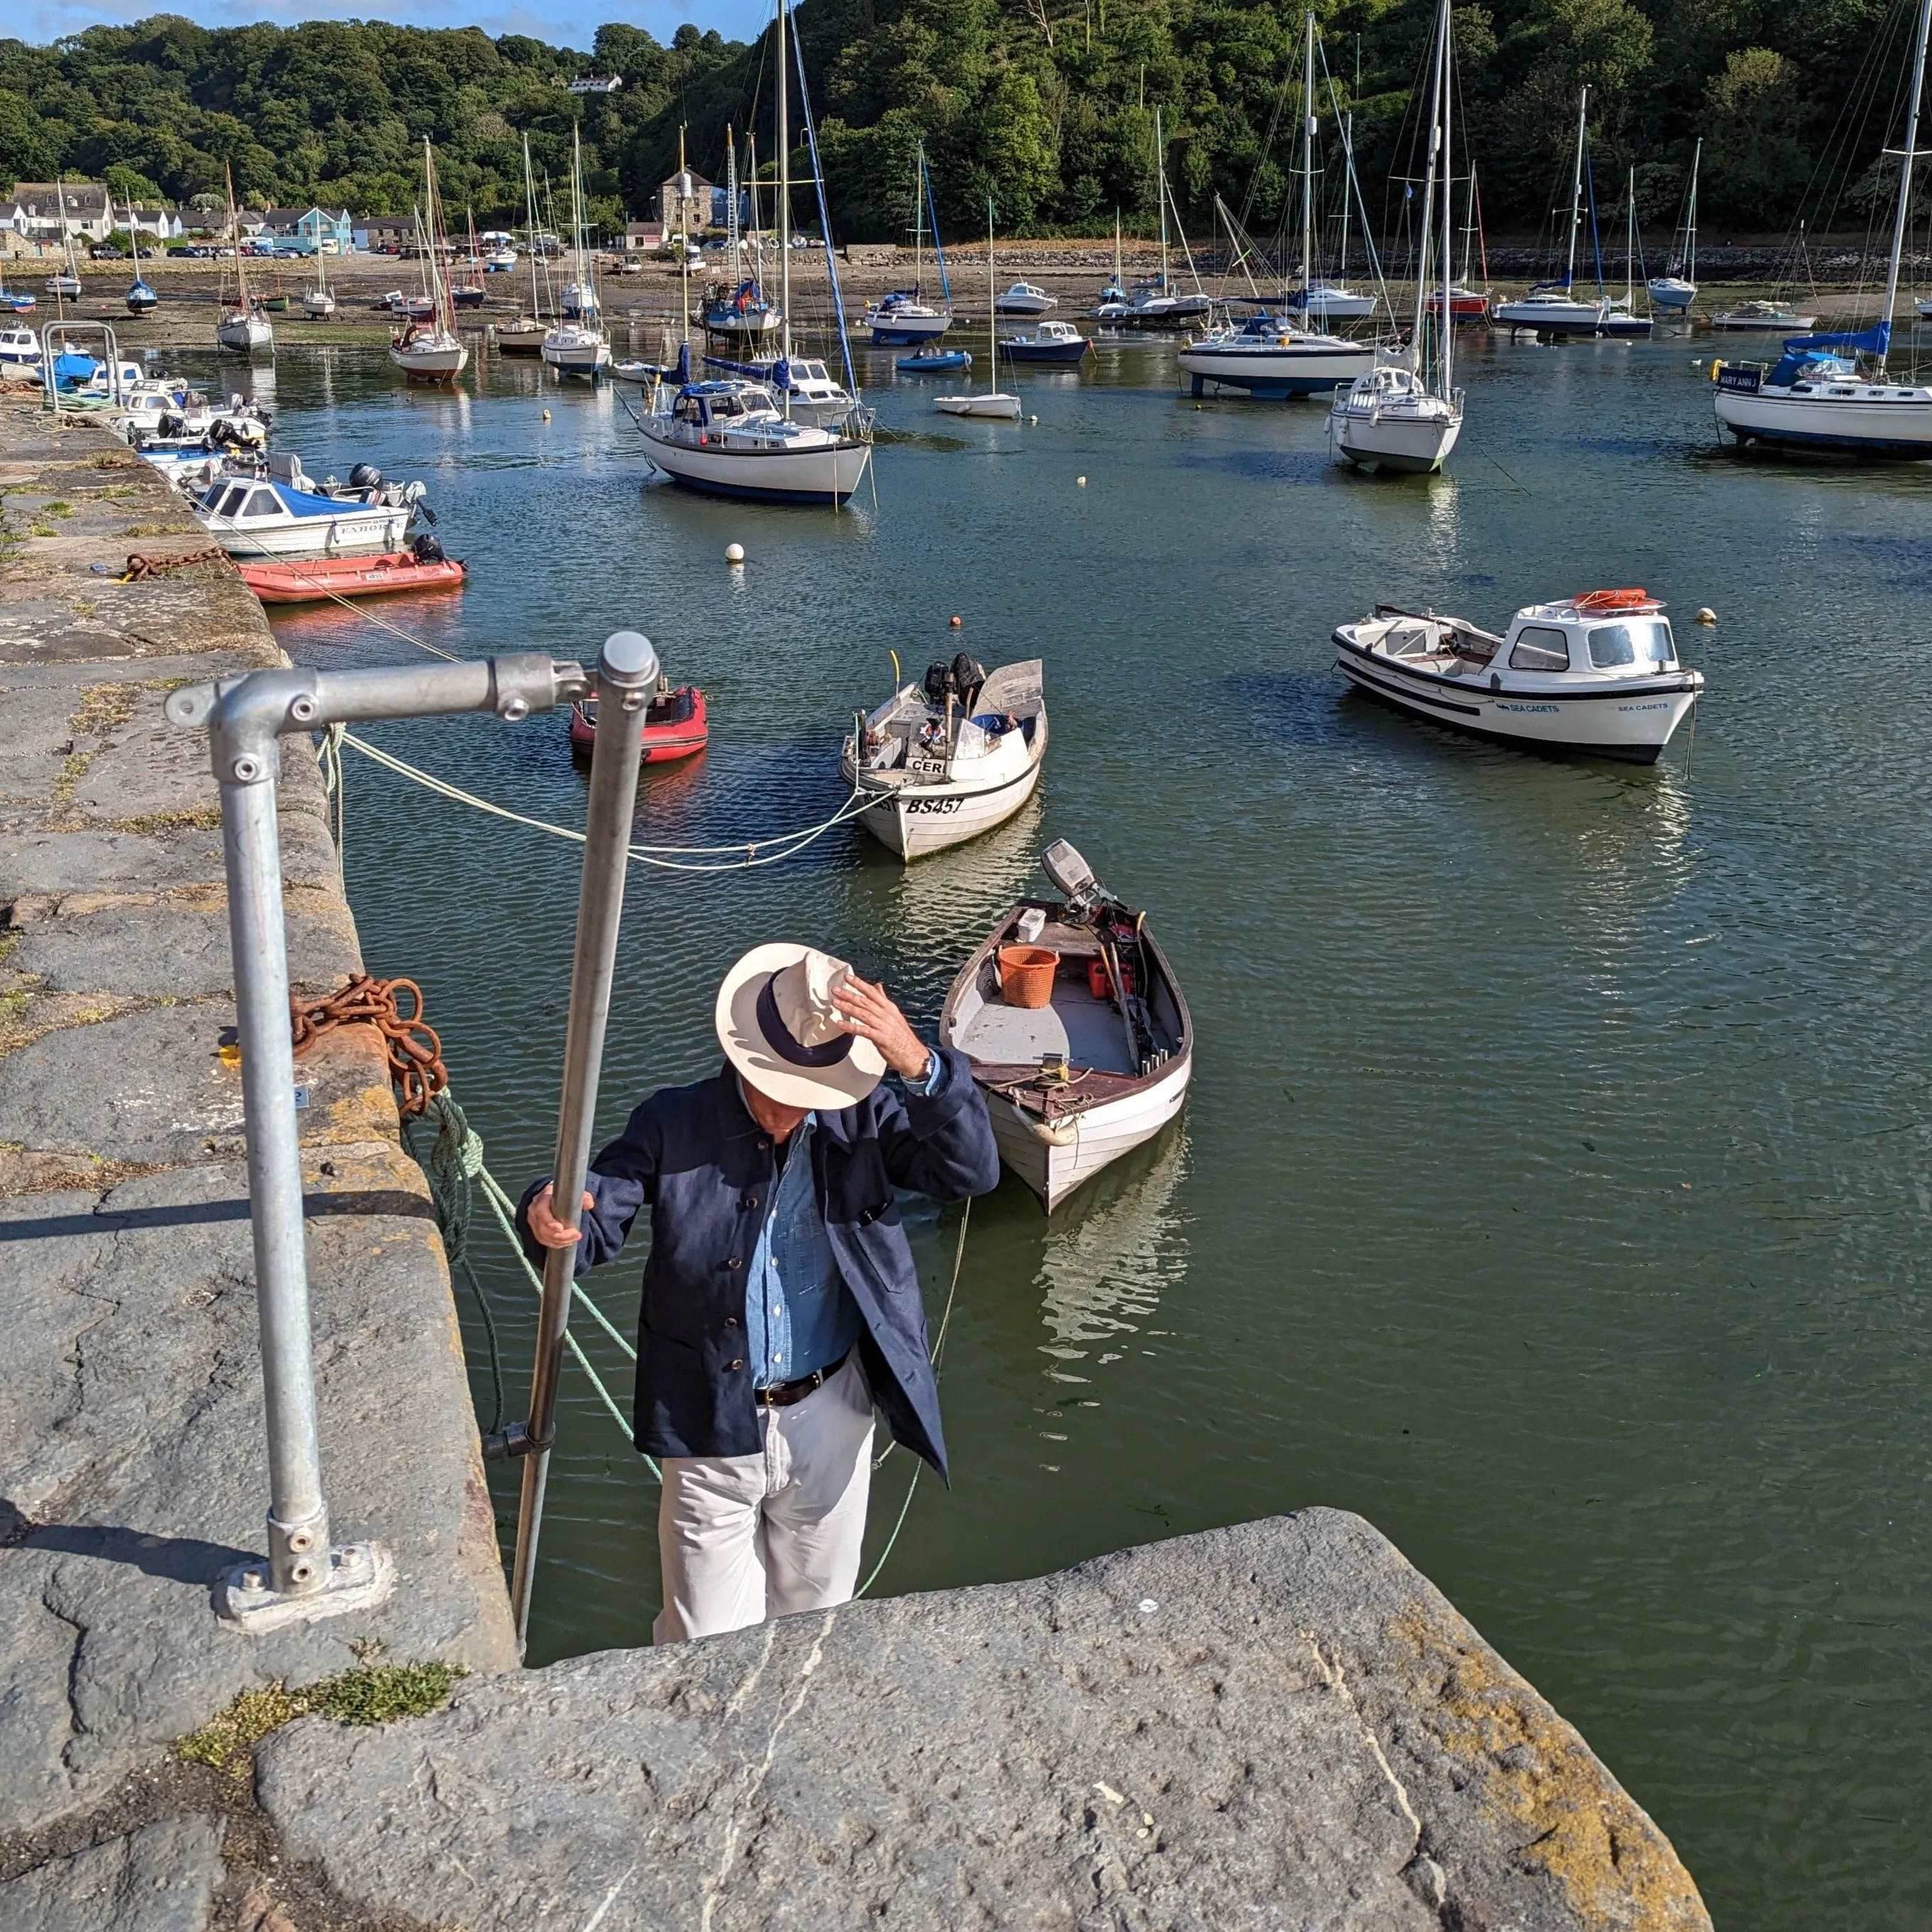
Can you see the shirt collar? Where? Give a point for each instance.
(804, 1126)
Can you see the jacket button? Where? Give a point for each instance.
(731, 1321)
(750, 1201)
(764, 1147)
(732, 1262)
(737, 1365)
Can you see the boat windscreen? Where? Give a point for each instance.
(1646, 641)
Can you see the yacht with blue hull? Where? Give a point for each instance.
(1266, 356)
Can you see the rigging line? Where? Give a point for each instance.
(787, 843)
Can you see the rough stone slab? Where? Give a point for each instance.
(1281, 1724)
(132, 1465)
(159, 1879)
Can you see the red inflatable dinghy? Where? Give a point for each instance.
(310, 579)
(674, 724)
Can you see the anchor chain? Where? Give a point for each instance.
(141, 569)
(414, 1052)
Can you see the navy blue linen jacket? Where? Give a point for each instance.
(707, 1170)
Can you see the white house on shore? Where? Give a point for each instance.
(36, 210)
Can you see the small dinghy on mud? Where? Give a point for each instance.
(944, 763)
(1076, 1028)
(1596, 673)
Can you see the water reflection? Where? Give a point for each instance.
(1108, 1258)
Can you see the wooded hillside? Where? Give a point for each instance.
(1047, 105)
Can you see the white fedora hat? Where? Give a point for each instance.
(780, 1030)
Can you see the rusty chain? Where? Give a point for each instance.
(142, 569)
(414, 1052)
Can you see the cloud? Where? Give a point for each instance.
(571, 23)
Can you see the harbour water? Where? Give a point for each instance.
(1553, 1182)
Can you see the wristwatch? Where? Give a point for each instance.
(922, 1084)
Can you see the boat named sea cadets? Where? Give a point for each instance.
(1598, 672)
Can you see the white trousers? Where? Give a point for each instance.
(742, 1538)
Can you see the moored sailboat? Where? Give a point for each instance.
(241, 325)
(1554, 308)
(994, 404)
(430, 350)
(1406, 414)
(1676, 288)
(1832, 391)
(905, 319)
(578, 347)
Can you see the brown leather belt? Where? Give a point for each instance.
(782, 1395)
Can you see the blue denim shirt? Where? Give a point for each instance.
(799, 1316)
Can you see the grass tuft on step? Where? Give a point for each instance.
(375, 1694)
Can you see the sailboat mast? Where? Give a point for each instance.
(1905, 171)
(1576, 188)
(684, 235)
(1428, 229)
(1307, 152)
(234, 235)
(992, 315)
(918, 215)
(784, 208)
(1448, 319)
(1348, 149)
(530, 213)
(1690, 214)
(1160, 186)
(1629, 240)
(730, 206)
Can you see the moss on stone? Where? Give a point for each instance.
(375, 1693)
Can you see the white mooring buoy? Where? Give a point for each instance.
(1707, 616)
(1080, 481)
(734, 553)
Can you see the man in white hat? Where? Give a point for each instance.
(780, 1304)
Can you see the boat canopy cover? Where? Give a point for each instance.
(1873, 341)
(1797, 359)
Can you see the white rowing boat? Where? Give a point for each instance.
(1104, 1065)
(942, 763)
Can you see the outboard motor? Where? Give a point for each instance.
(968, 674)
(428, 550)
(170, 424)
(938, 683)
(365, 476)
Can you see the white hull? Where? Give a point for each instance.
(1745, 323)
(244, 333)
(319, 305)
(431, 361)
(1030, 302)
(1296, 369)
(1054, 1160)
(1673, 293)
(1873, 418)
(1553, 318)
(354, 531)
(1633, 725)
(1005, 408)
(914, 823)
(1334, 305)
(906, 328)
(1395, 439)
(828, 473)
(521, 338)
(575, 352)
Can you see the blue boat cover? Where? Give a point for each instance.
(1874, 341)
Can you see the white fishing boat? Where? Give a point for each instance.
(1103, 1064)
(943, 762)
(994, 403)
(1676, 288)
(1406, 414)
(1598, 672)
(20, 353)
(1023, 299)
(277, 511)
(578, 347)
(1832, 391)
(905, 319)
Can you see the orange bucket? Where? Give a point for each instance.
(1026, 975)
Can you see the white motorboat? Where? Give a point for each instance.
(20, 353)
(500, 261)
(277, 511)
(1676, 288)
(1596, 673)
(946, 761)
(1023, 299)
(1099, 1069)
(814, 394)
(1406, 414)
(731, 438)
(1763, 318)
(1057, 344)
(1266, 356)
(994, 404)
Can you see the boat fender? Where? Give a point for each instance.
(1495, 682)
(1049, 1133)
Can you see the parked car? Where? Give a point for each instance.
(106, 251)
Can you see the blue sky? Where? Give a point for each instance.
(572, 23)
